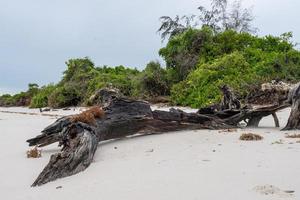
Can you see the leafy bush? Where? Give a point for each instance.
(64, 96)
(118, 77)
(198, 62)
(197, 46)
(154, 80)
(41, 98)
(184, 51)
(19, 99)
(201, 87)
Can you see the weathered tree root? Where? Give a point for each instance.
(77, 154)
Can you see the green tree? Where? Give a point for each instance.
(154, 80)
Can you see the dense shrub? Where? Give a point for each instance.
(198, 62)
(185, 51)
(41, 98)
(20, 99)
(64, 96)
(118, 77)
(236, 59)
(154, 80)
(201, 87)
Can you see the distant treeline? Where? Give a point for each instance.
(82, 79)
(199, 59)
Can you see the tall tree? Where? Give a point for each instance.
(240, 19)
(218, 17)
(174, 26)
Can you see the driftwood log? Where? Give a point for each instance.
(123, 117)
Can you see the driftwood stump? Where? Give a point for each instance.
(294, 100)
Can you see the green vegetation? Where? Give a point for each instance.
(20, 99)
(81, 80)
(201, 87)
(154, 80)
(198, 62)
(41, 98)
(221, 49)
(236, 59)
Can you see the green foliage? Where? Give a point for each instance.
(40, 100)
(118, 77)
(82, 79)
(154, 80)
(201, 87)
(20, 99)
(64, 96)
(195, 46)
(227, 55)
(33, 89)
(77, 69)
(198, 62)
(183, 52)
(6, 100)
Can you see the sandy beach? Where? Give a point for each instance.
(188, 165)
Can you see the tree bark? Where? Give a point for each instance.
(294, 100)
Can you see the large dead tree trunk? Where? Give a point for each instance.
(122, 118)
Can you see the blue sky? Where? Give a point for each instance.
(38, 36)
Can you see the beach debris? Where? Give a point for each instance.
(250, 137)
(278, 142)
(34, 153)
(272, 190)
(293, 136)
(59, 187)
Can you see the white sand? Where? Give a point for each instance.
(184, 165)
